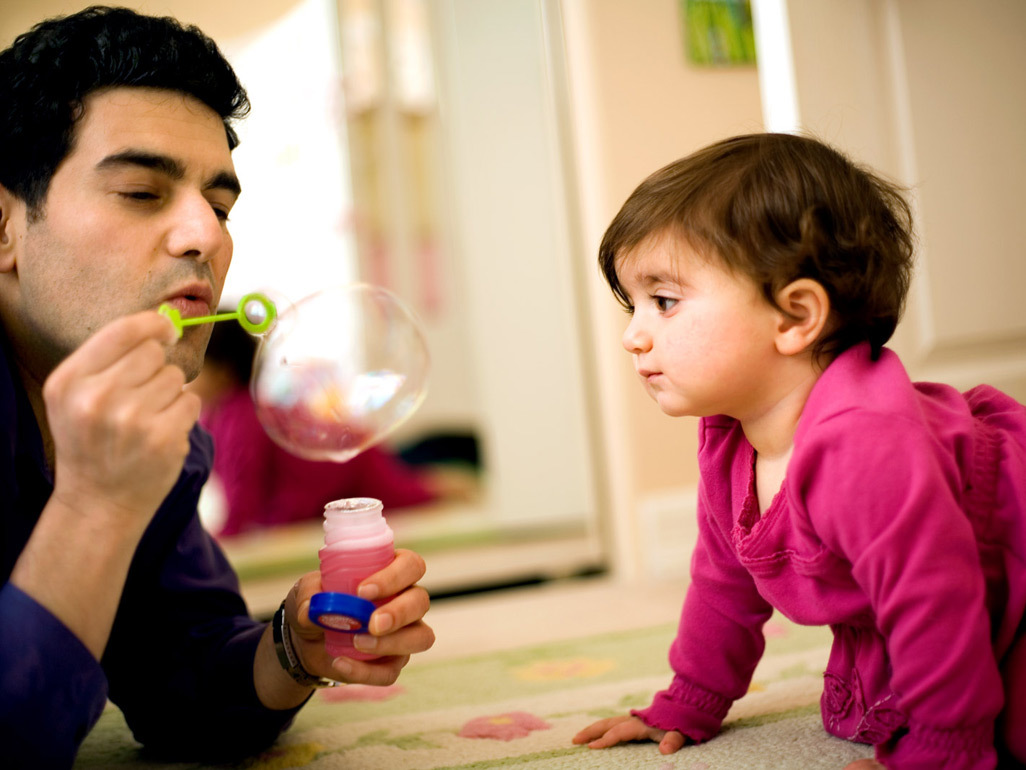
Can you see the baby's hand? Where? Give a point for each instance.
(609, 732)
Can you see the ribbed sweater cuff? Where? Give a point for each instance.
(691, 710)
(928, 748)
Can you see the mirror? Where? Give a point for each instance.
(420, 146)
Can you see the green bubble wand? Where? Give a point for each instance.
(270, 313)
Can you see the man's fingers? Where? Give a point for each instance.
(406, 569)
(380, 672)
(139, 364)
(406, 608)
(114, 340)
(297, 604)
(164, 389)
(417, 637)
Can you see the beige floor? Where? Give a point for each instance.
(549, 612)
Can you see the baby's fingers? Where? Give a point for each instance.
(624, 730)
(593, 731)
(671, 742)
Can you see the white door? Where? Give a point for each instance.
(929, 92)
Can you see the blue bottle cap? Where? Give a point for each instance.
(341, 612)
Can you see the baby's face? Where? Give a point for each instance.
(701, 336)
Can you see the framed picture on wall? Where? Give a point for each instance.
(718, 33)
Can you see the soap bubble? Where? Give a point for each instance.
(340, 370)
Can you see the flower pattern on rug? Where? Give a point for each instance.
(528, 712)
(569, 668)
(360, 692)
(773, 630)
(503, 727)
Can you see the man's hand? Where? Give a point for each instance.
(120, 421)
(120, 425)
(397, 630)
(609, 732)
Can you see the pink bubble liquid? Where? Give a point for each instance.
(357, 543)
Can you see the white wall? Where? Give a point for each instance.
(636, 104)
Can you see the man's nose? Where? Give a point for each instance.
(196, 231)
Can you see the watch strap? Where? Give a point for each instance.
(281, 633)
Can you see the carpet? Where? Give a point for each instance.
(519, 708)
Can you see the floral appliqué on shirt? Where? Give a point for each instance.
(844, 704)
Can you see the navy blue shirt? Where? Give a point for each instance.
(179, 662)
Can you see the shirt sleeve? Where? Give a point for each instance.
(719, 640)
(881, 495)
(53, 688)
(180, 658)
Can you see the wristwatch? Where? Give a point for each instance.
(282, 634)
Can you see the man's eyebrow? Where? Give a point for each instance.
(161, 163)
(169, 167)
(225, 180)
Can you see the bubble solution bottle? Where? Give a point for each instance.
(357, 543)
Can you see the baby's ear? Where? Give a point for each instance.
(806, 311)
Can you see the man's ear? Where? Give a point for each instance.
(806, 313)
(9, 204)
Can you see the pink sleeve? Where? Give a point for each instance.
(880, 494)
(265, 485)
(302, 487)
(243, 462)
(719, 640)
(382, 475)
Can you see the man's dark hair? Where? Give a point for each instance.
(48, 71)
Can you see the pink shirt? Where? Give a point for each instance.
(265, 485)
(901, 524)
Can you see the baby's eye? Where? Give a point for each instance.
(664, 303)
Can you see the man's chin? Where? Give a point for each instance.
(190, 362)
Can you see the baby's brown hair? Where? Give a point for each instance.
(776, 208)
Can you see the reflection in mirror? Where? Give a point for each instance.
(419, 146)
